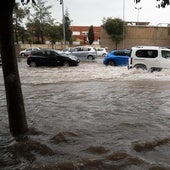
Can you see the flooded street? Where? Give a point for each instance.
(92, 117)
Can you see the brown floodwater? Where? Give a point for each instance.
(90, 117)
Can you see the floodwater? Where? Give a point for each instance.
(90, 117)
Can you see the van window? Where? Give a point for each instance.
(166, 54)
(147, 53)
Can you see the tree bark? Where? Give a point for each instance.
(14, 97)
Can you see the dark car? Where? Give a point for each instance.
(117, 58)
(51, 57)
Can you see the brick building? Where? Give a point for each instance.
(80, 34)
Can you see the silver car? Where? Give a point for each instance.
(83, 52)
(27, 51)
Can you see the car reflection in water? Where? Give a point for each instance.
(51, 57)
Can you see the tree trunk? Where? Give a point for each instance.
(14, 97)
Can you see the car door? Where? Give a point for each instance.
(78, 52)
(121, 58)
(52, 58)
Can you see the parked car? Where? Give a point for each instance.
(117, 58)
(28, 51)
(83, 52)
(101, 52)
(151, 58)
(51, 57)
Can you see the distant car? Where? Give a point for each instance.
(28, 51)
(151, 58)
(101, 52)
(51, 57)
(117, 58)
(83, 52)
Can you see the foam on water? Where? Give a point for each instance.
(87, 71)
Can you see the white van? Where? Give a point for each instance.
(151, 58)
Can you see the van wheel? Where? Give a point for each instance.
(111, 63)
(155, 69)
(141, 66)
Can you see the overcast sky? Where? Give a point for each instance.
(91, 12)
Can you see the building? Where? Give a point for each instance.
(80, 34)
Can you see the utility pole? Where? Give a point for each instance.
(64, 31)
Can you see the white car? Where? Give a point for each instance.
(151, 58)
(27, 51)
(101, 52)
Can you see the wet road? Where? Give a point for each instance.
(92, 117)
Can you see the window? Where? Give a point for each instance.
(121, 53)
(166, 54)
(147, 53)
(38, 53)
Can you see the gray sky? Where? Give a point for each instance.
(91, 12)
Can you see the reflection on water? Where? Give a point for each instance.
(92, 117)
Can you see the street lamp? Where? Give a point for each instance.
(64, 33)
(138, 12)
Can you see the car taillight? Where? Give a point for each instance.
(131, 59)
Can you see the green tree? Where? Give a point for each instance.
(18, 15)
(115, 28)
(39, 19)
(54, 33)
(91, 35)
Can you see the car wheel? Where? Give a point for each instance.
(90, 58)
(22, 55)
(111, 63)
(103, 55)
(66, 64)
(141, 66)
(33, 64)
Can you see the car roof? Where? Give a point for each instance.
(149, 47)
(124, 50)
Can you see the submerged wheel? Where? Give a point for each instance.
(66, 64)
(33, 64)
(111, 63)
(140, 66)
(155, 69)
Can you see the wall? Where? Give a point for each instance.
(139, 35)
